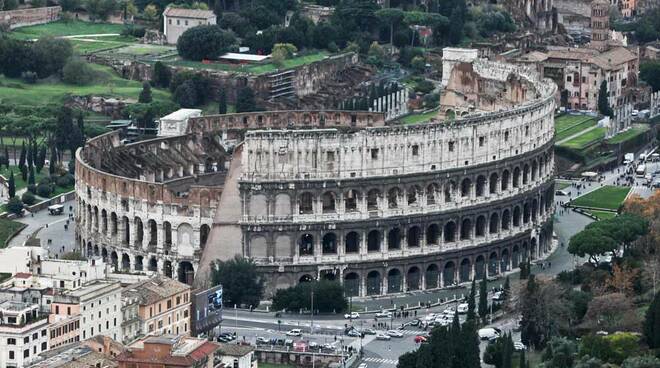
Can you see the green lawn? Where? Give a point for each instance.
(62, 28)
(567, 121)
(559, 185)
(18, 180)
(628, 134)
(7, 229)
(585, 139)
(602, 215)
(608, 197)
(251, 68)
(575, 129)
(419, 118)
(109, 84)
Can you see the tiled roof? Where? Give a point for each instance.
(614, 57)
(172, 11)
(234, 349)
(155, 289)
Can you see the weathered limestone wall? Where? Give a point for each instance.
(28, 17)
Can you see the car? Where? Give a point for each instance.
(384, 314)
(462, 308)
(449, 312)
(394, 333)
(279, 342)
(262, 341)
(288, 342)
(488, 333)
(499, 296)
(519, 346)
(328, 347)
(430, 317)
(561, 193)
(382, 336)
(294, 332)
(354, 333)
(313, 345)
(420, 339)
(415, 322)
(369, 331)
(352, 315)
(362, 365)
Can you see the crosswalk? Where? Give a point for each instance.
(381, 361)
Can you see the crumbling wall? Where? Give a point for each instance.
(28, 17)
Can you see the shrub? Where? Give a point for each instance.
(28, 198)
(424, 86)
(44, 180)
(15, 205)
(29, 77)
(431, 100)
(133, 30)
(204, 42)
(44, 190)
(185, 94)
(32, 188)
(78, 72)
(65, 180)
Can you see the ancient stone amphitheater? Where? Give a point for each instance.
(383, 208)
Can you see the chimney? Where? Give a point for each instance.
(106, 345)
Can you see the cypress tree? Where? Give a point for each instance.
(31, 177)
(21, 160)
(222, 101)
(7, 157)
(523, 362)
(652, 323)
(472, 302)
(12, 185)
(507, 287)
(53, 162)
(35, 153)
(24, 172)
(470, 345)
(145, 94)
(483, 299)
(507, 353)
(29, 155)
(603, 105)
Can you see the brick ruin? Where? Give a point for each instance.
(28, 17)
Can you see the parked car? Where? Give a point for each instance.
(362, 365)
(420, 339)
(369, 331)
(462, 308)
(288, 342)
(394, 333)
(499, 296)
(294, 332)
(313, 345)
(449, 312)
(352, 315)
(262, 341)
(489, 333)
(354, 333)
(384, 314)
(382, 336)
(519, 346)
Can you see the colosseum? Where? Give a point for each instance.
(380, 206)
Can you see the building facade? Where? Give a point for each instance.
(169, 351)
(178, 20)
(23, 334)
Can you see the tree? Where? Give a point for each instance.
(611, 312)
(78, 72)
(376, 54)
(24, 172)
(471, 316)
(588, 362)
(245, 101)
(145, 94)
(592, 243)
(559, 353)
(650, 73)
(651, 325)
(483, 299)
(603, 103)
(622, 279)
(240, 281)
(41, 158)
(545, 312)
(12, 185)
(15, 205)
(204, 42)
(328, 297)
(101, 9)
(161, 75)
(495, 352)
(21, 160)
(31, 179)
(7, 157)
(50, 55)
(522, 362)
(222, 101)
(457, 22)
(391, 16)
(186, 94)
(281, 52)
(645, 361)
(28, 198)
(53, 161)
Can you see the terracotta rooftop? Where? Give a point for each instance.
(172, 11)
(155, 289)
(613, 58)
(234, 349)
(23, 275)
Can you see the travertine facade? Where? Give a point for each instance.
(331, 194)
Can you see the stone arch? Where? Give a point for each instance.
(480, 228)
(431, 191)
(466, 229)
(282, 282)
(153, 264)
(506, 219)
(535, 169)
(352, 284)
(516, 216)
(516, 177)
(168, 269)
(351, 198)
(504, 260)
(283, 248)
(525, 175)
(153, 232)
(204, 232)
(139, 231)
(306, 203)
(258, 206)
(373, 241)
(258, 247)
(414, 237)
(352, 242)
(139, 263)
(306, 245)
(394, 279)
(481, 186)
(185, 240)
(533, 249)
(494, 223)
(450, 232)
(114, 259)
(89, 249)
(450, 189)
(126, 236)
(104, 254)
(413, 279)
(504, 184)
(525, 252)
(125, 262)
(305, 278)
(479, 267)
(373, 283)
(167, 229)
(329, 243)
(413, 195)
(515, 256)
(282, 205)
(372, 199)
(431, 276)
(493, 264)
(433, 234)
(448, 274)
(466, 187)
(464, 270)
(492, 183)
(394, 238)
(527, 212)
(393, 197)
(96, 250)
(535, 207)
(328, 202)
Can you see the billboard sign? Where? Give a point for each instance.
(207, 310)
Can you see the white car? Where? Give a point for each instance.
(382, 336)
(352, 315)
(430, 317)
(394, 333)
(384, 314)
(294, 332)
(362, 365)
(488, 333)
(519, 346)
(443, 321)
(498, 296)
(449, 312)
(462, 308)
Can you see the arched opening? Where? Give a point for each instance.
(414, 237)
(167, 269)
(394, 281)
(481, 186)
(153, 232)
(394, 239)
(431, 191)
(413, 195)
(492, 183)
(125, 262)
(372, 199)
(186, 272)
(492, 264)
(104, 222)
(305, 278)
(350, 200)
(89, 249)
(393, 197)
(464, 272)
(535, 206)
(479, 267)
(535, 168)
(431, 276)
(352, 284)
(526, 213)
(532, 249)
(504, 260)
(466, 186)
(450, 188)
(373, 283)
(352, 242)
(104, 254)
(413, 279)
(433, 234)
(306, 245)
(328, 200)
(450, 232)
(516, 216)
(505, 180)
(167, 228)
(480, 229)
(153, 264)
(373, 241)
(204, 232)
(466, 229)
(448, 274)
(126, 239)
(516, 177)
(139, 263)
(494, 223)
(306, 203)
(114, 260)
(506, 220)
(113, 223)
(329, 243)
(525, 252)
(139, 231)
(515, 256)
(525, 177)
(96, 250)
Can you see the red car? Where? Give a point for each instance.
(420, 339)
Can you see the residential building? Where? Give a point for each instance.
(169, 351)
(63, 329)
(178, 20)
(21, 259)
(23, 333)
(76, 355)
(236, 356)
(163, 307)
(99, 305)
(105, 345)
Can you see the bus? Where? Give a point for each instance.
(641, 170)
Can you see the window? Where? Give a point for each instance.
(26, 353)
(169, 304)
(169, 21)
(450, 146)
(415, 150)
(11, 341)
(374, 153)
(584, 79)
(26, 339)
(35, 336)
(186, 22)
(569, 78)
(11, 355)
(57, 309)
(43, 346)
(482, 140)
(178, 22)
(43, 333)
(178, 300)
(506, 136)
